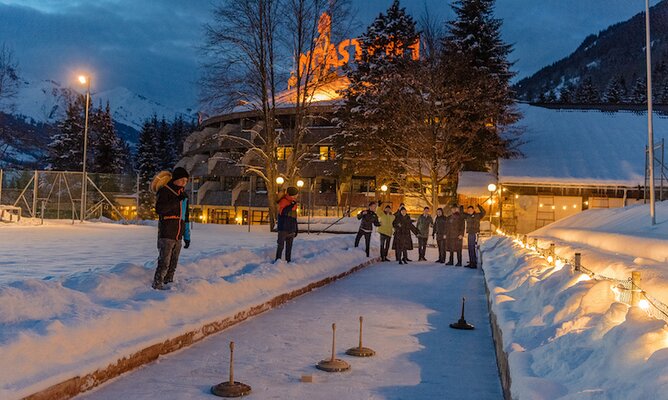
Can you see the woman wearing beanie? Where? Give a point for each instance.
(287, 223)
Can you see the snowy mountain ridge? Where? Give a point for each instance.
(45, 101)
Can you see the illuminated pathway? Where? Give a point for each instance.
(407, 311)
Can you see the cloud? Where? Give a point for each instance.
(150, 47)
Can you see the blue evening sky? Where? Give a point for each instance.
(150, 46)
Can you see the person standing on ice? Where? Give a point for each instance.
(472, 230)
(454, 233)
(171, 205)
(369, 220)
(403, 226)
(423, 223)
(439, 234)
(385, 230)
(287, 223)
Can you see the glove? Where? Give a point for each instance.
(187, 244)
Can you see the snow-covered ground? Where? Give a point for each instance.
(616, 241)
(74, 298)
(568, 336)
(407, 310)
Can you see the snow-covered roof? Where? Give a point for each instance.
(474, 184)
(581, 147)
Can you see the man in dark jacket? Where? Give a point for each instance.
(287, 223)
(172, 208)
(439, 234)
(423, 223)
(369, 219)
(473, 229)
(454, 233)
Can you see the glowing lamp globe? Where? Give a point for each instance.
(83, 79)
(280, 180)
(300, 183)
(383, 188)
(491, 187)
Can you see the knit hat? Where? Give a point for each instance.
(178, 173)
(292, 191)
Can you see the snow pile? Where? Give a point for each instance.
(55, 328)
(566, 335)
(581, 147)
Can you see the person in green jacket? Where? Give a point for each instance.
(385, 229)
(423, 223)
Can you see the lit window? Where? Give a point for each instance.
(283, 152)
(326, 153)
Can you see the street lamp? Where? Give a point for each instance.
(280, 180)
(85, 80)
(492, 188)
(383, 188)
(650, 128)
(300, 183)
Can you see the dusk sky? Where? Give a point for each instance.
(150, 47)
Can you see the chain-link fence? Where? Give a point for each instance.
(58, 194)
(628, 291)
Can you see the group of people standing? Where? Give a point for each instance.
(395, 229)
(448, 232)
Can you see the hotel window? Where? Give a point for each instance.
(284, 152)
(326, 153)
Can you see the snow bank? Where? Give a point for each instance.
(56, 328)
(565, 334)
(330, 224)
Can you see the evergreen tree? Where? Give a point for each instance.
(615, 93)
(66, 147)
(180, 130)
(663, 94)
(148, 165)
(475, 35)
(587, 93)
(639, 92)
(166, 151)
(367, 115)
(567, 94)
(551, 96)
(108, 148)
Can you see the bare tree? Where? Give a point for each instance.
(9, 85)
(310, 27)
(243, 52)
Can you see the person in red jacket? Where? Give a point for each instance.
(287, 223)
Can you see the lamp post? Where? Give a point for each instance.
(650, 128)
(384, 190)
(492, 188)
(84, 80)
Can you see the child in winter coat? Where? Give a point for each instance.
(369, 220)
(173, 226)
(287, 223)
(385, 230)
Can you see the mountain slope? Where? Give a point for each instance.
(616, 51)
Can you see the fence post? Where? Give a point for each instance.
(578, 261)
(635, 288)
(525, 240)
(34, 194)
(535, 243)
(552, 253)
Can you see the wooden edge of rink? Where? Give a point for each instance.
(80, 384)
(501, 355)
